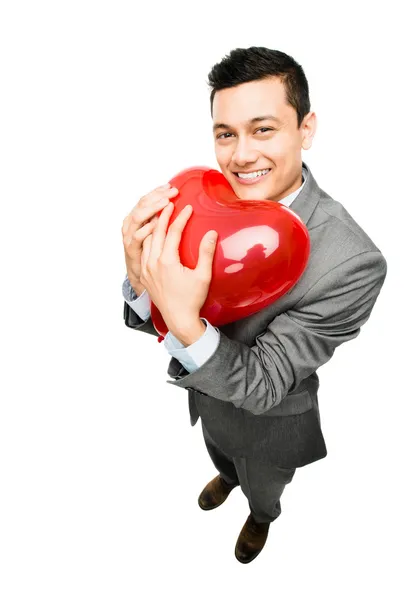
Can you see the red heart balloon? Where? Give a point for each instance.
(261, 251)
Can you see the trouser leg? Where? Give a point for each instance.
(223, 463)
(262, 485)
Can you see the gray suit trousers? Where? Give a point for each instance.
(262, 484)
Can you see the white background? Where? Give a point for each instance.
(99, 467)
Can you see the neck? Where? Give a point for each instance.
(297, 182)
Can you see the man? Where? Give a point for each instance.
(254, 382)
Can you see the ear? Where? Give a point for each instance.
(308, 128)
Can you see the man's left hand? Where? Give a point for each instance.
(177, 291)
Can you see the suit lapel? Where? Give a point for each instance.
(306, 201)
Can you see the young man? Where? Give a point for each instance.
(254, 382)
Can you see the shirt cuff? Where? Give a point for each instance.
(194, 356)
(140, 304)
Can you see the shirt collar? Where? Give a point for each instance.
(287, 201)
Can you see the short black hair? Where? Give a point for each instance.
(254, 63)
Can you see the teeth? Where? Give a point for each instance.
(253, 175)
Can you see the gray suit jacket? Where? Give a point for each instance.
(257, 394)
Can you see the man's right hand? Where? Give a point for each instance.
(137, 225)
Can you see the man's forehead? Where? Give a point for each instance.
(247, 103)
(248, 122)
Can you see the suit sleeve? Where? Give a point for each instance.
(296, 342)
(133, 321)
(131, 318)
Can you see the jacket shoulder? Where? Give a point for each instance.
(335, 234)
(337, 218)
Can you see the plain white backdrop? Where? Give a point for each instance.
(99, 467)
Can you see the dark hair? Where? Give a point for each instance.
(251, 64)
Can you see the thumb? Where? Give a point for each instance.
(206, 251)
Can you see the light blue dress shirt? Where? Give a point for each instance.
(194, 356)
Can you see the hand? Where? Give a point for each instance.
(177, 291)
(140, 223)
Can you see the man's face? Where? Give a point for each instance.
(243, 146)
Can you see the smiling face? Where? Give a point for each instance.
(246, 143)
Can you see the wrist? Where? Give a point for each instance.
(188, 331)
(139, 289)
(135, 284)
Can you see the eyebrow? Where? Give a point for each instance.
(254, 120)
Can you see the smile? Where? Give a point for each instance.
(252, 178)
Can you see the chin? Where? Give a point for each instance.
(255, 192)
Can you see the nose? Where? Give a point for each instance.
(244, 153)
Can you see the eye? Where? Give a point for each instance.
(221, 135)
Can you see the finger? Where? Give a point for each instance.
(156, 195)
(141, 234)
(206, 255)
(173, 236)
(147, 206)
(142, 215)
(139, 215)
(147, 244)
(159, 232)
(151, 196)
(133, 245)
(135, 234)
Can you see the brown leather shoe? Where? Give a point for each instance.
(251, 540)
(215, 493)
